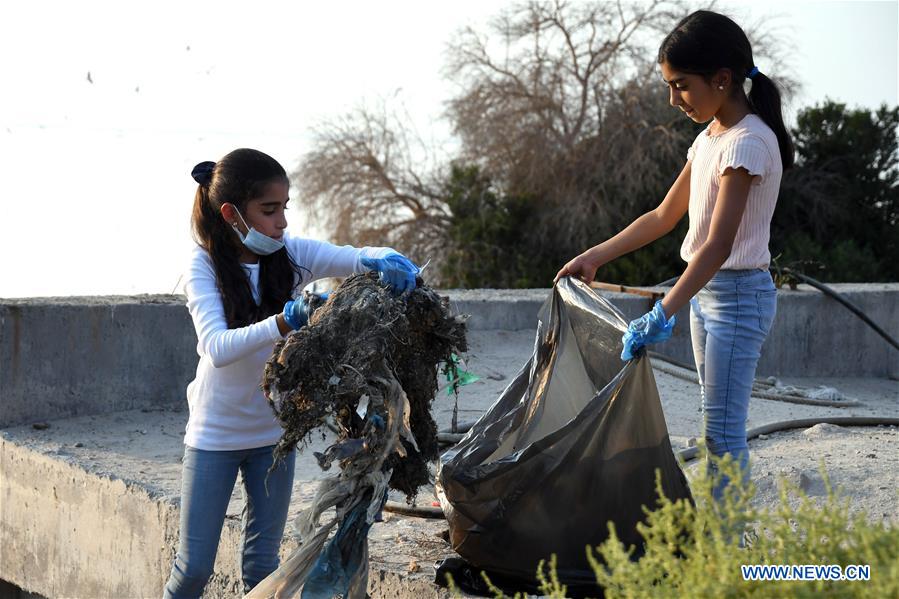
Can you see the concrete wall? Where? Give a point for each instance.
(69, 532)
(812, 335)
(77, 356)
(60, 521)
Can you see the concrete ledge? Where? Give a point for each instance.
(812, 334)
(498, 309)
(91, 355)
(59, 522)
(69, 532)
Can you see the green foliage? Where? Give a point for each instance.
(844, 261)
(692, 549)
(840, 205)
(650, 265)
(499, 240)
(491, 235)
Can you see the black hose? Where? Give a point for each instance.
(448, 436)
(657, 356)
(759, 393)
(460, 428)
(784, 425)
(852, 307)
(451, 438)
(692, 377)
(413, 510)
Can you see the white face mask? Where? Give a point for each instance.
(256, 242)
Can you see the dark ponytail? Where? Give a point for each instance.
(764, 97)
(705, 42)
(238, 178)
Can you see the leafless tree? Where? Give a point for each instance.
(371, 180)
(548, 108)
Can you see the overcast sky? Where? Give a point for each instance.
(96, 190)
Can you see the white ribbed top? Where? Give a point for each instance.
(750, 144)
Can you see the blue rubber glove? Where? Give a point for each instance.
(395, 270)
(296, 312)
(652, 327)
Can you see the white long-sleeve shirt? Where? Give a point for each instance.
(227, 408)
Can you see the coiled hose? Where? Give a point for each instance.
(757, 386)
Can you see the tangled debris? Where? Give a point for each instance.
(360, 348)
(366, 364)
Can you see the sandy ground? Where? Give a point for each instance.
(146, 447)
(861, 463)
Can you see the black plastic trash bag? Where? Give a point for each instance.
(574, 442)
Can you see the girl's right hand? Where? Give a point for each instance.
(296, 313)
(582, 267)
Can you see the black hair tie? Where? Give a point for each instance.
(202, 173)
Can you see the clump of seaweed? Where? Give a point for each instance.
(367, 365)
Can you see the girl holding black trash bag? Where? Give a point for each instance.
(729, 186)
(242, 293)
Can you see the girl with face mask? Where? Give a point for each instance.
(242, 292)
(729, 187)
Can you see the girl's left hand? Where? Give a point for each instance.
(583, 267)
(652, 327)
(395, 270)
(296, 312)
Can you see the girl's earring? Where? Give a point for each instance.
(721, 87)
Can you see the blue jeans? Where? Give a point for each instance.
(207, 482)
(729, 320)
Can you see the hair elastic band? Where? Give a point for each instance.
(753, 72)
(202, 173)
